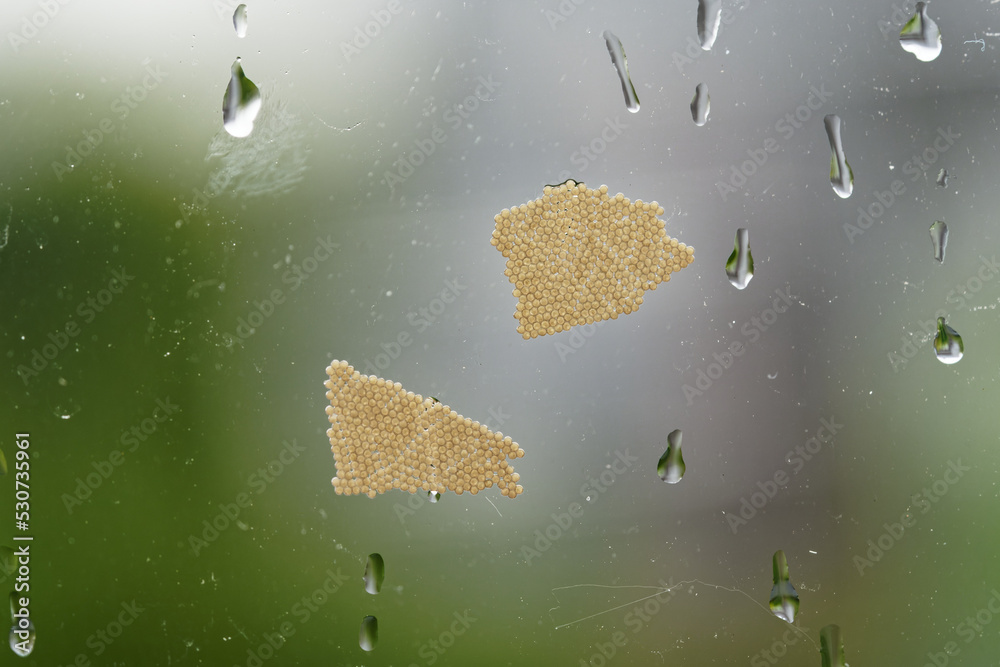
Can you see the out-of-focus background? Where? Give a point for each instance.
(171, 296)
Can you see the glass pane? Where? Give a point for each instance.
(533, 221)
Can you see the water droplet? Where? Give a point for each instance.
(832, 647)
(739, 266)
(22, 637)
(948, 344)
(433, 496)
(700, 105)
(841, 174)
(784, 601)
(617, 52)
(920, 36)
(241, 103)
(709, 14)
(942, 178)
(369, 633)
(671, 465)
(3, 463)
(374, 574)
(240, 21)
(939, 239)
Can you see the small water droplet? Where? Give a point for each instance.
(433, 496)
(948, 344)
(240, 21)
(709, 15)
(241, 103)
(942, 178)
(920, 36)
(784, 600)
(841, 174)
(700, 105)
(939, 239)
(671, 465)
(368, 636)
(374, 574)
(617, 52)
(739, 266)
(832, 647)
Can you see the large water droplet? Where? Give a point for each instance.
(617, 52)
(671, 465)
(22, 637)
(784, 601)
(368, 636)
(920, 36)
(700, 105)
(241, 103)
(948, 344)
(374, 574)
(939, 239)
(240, 21)
(709, 15)
(841, 174)
(832, 646)
(739, 266)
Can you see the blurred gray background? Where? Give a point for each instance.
(214, 229)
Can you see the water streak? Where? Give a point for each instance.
(709, 15)
(617, 52)
(841, 174)
(700, 105)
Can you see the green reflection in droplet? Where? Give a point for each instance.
(739, 266)
(784, 601)
(369, 633)
(374, 574)
(948, 344)
(671, 465)
(831, 646)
